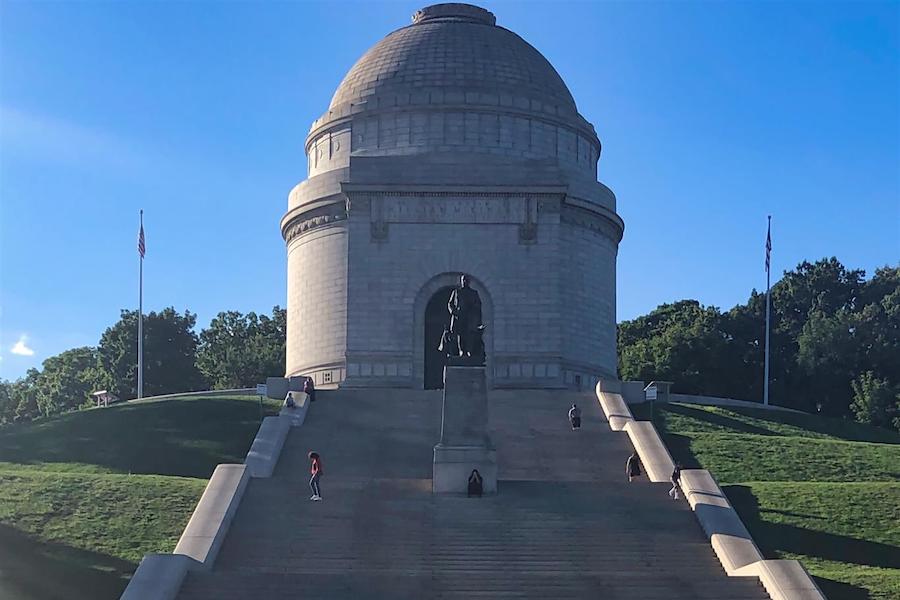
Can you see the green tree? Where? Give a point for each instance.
(744, 328)
(238, 350)
(24, 393)
(826, 286)
(67, 380)
(829, 326)
(170, 354)
(682, 342)
(878, 324)
(826, 353)
(7, 405)
(875, 401)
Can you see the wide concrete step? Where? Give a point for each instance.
(565, 525)
(368, 585)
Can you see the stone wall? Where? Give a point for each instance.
(588, 302)
(452, 146)
(465, 131)
(317, 303)
(397, 263)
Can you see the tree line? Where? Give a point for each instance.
(236, 351)
(834, 344)
(835, 349)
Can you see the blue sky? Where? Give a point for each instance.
(712, 115)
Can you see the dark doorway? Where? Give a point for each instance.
(436, 318)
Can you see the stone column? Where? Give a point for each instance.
(465, 443)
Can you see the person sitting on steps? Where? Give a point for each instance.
(575, 417)
(476, 487)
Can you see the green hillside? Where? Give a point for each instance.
(85, 495)
(824, 491)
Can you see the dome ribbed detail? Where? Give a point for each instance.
(451, 48)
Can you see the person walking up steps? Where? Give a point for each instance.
(575, 417)
(315, 469)
(676, 480)
(633, 466)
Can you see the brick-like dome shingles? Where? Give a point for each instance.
(453, 48)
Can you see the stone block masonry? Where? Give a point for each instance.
(451, 147)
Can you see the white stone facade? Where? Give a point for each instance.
(452, 146)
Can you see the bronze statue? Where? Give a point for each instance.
(449, 345)
(465, 320)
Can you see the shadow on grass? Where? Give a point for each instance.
(34, 570)
(714, 418)
(838, 590)
(843, 429)
(176, 437)
(680, 448)
(783, 537)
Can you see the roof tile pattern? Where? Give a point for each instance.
(449, 55)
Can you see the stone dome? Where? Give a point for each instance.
(447, 49)
(452, 146)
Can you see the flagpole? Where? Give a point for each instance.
(768, 285)
(140, 367)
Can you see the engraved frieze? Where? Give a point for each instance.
(326, 215)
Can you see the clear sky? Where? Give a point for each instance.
(711, 114)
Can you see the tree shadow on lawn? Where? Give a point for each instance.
(843, 429)
(730, 424)
(175, 437)
(680, 448)
(35, 570)
(773, 538)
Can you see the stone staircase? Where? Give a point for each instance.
(566, 523)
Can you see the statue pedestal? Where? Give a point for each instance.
(465, 444)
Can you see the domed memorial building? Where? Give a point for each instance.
(451, 147)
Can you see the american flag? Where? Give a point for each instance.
(142, 248)
(768, 244)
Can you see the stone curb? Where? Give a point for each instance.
(784, 580)
(159, 576)
(266, 448)
(729, 538)
(654, 455)
(617, 413)
(205, 532)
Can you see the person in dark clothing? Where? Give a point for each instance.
(575, 417)
(310, 388)
(315, 470)
(633, 466)
(476, 486)
(676, 481)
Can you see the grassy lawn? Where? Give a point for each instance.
(824, 491)
(85, 495)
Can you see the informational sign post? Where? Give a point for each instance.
(262, 390)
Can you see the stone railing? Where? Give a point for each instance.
(159, 576)
(732, 543)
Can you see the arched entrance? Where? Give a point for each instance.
(436, 318)
(429, 314)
